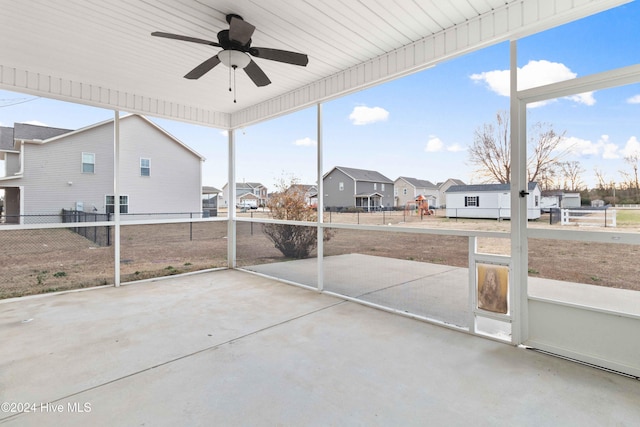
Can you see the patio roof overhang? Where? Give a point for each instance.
(102, 54)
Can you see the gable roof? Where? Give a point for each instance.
(454, 181)
(27, 132)
(486, 188)
(36, 132)
(210, 190)
(6, 138)
(362, 174)
(418, 183)
(45, 134)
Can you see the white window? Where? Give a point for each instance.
(472, 201)
(124, 204)
(404, 191)
(341, 186)
(145, 167)
(375, 186)
(537, 202)
(88, 163)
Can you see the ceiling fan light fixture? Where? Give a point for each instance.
(234, 58)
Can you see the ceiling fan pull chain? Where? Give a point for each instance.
(234, 83)
(229, 79)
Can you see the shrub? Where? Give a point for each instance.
(288, 203)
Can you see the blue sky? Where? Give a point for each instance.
(421, 125)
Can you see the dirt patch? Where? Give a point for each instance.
(48, 260)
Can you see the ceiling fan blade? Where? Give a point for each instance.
(280, 55)
(256, 74)
(240, 31)
(203, 68)
(184, 38)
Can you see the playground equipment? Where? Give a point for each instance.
(420, 206)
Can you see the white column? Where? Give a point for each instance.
(320, 204)
(116, 196)
(231, 212)
(519, 247)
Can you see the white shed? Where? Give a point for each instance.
(488, 201)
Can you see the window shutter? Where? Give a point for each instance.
(466, 201)
(477, 201)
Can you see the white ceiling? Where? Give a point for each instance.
(101, 53)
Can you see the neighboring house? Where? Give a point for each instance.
(488, 201)
(310, 192)
(50, 169)
(442, 190)
(357, 188)
(248, 194)
(408, 189)
(210, 201)
(559, 199)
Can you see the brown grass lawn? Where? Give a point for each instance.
(39, 261)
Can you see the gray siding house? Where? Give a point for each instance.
(442, 190)
(248, 194)
(408, 189)
(49, 169)
(357, 188)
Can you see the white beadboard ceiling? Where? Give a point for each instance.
(101, 53)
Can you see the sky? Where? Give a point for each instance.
(421, 125)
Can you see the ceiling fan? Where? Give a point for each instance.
(236, 48)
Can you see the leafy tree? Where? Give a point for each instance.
(491, 151)
(288, 203)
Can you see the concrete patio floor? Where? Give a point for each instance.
(233, 348)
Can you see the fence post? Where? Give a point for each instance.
(108, 230)
(383, 220)
(605, 218)
(191, 227)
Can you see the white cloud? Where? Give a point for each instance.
(363, 115)
(634, 99)
(586, 148)
(535, 73)
(455, 148)
(578, 146)
(304, 142)
(609, 149)
(632, 147)
(224, 133)
(434, 145)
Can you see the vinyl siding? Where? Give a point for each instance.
(174, 184)
(50, 167)
(12, 163)
(335, 197)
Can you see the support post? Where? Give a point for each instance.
(231, 212)
(320, 203)
(519, 245)
(116, 197)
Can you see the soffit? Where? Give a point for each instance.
(101, 53)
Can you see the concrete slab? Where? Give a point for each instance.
(278, 355)
(67, 342)
(435, 291)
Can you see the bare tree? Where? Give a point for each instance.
(601, 178)
(572, 173)
(491, 151)
(632, 160)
